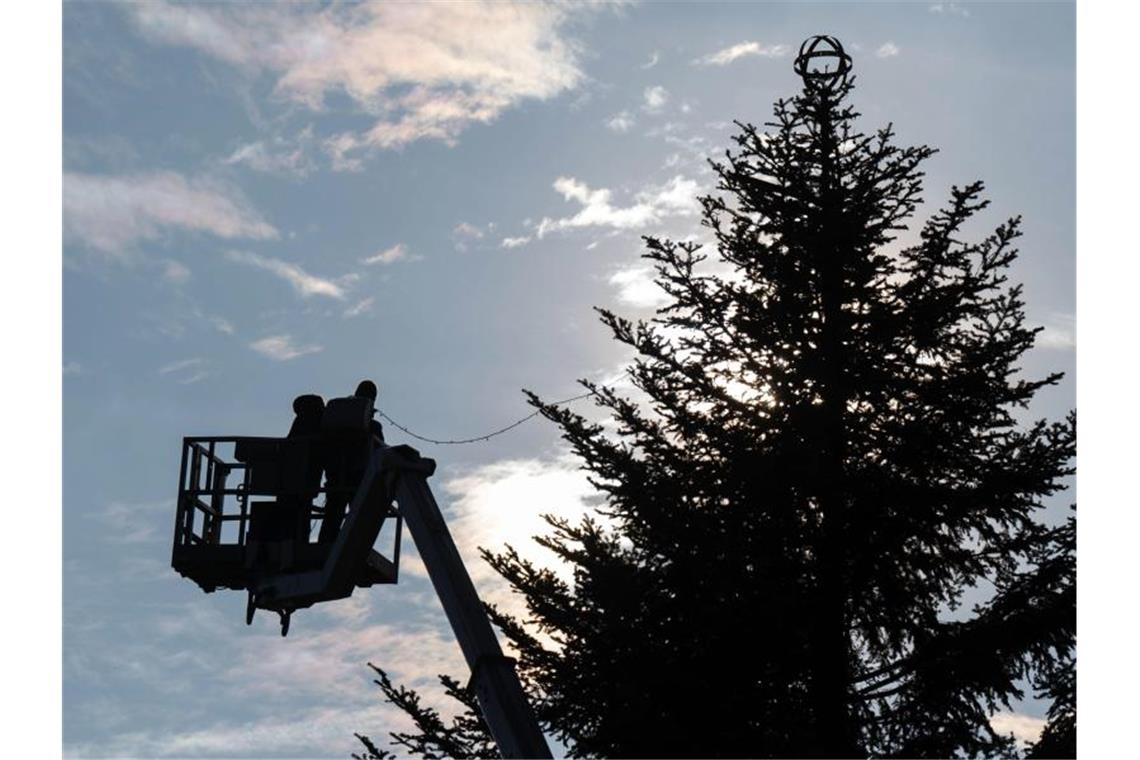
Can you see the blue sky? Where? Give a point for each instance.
(264, 200)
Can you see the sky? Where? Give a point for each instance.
(264, 200)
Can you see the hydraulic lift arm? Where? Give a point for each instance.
(501, 698)
(400, 473)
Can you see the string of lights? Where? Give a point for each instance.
(479, 439)
(487, 436)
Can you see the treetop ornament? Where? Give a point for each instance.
(815, 60)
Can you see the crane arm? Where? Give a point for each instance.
(501, 698)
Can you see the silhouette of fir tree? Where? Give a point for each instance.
(832, 456)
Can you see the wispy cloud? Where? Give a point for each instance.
(322, 664)
(282, 348)
(464, 234)
(360, 307)
(1025, 729)
(188, 371)
(515, 242)
(194, 377)
(134, 522)
(277, 155)
(428, 71)
(325, 663)
(288, 731)
(654, 99)
(887, 50)
(398, 252)
(466, 230)
(112, 213)
(620, 122)
(1060, 332)
(741, 50)
(653, 60)
(636, 287)
(677, 197)
(304, 283)
(950, 9)
(175, 272)
(166, 369)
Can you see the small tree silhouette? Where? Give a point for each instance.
(830, 459)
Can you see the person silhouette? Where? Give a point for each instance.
(308, 410)
(350, 435)
(297, 462)
(367, 389)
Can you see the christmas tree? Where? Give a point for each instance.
(833, 455)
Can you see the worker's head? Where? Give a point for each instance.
(309, 404)
(366, 389)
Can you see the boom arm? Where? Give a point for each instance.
(400, 472)
(497, 687)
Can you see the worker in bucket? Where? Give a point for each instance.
(350, 435)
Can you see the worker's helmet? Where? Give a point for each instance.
(309, 403)
(366, 389)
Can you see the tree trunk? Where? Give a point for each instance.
(832, 646)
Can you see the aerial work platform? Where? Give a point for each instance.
(245, 517)
(230, 533)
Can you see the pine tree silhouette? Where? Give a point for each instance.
(834, 453)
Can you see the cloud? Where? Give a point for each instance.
(359, 308)
(465, 230)
(303, 282)
(176, 366)
(281, 348)
(741, 50)
(636, 287)
(1024, 728)
(425, 71)
(175, 272)
(398, 252)
(887, 50)
(135, 522)
(617, 377)
(190, 370)
(465, 233)
(503, 502)
(112, 213)
(654, 99)
(277, 155)
(289, 731)
(950, 9)
(303, 696)
(326, 662)
(173, 367)
(515, 242)
(697, 147)
(653, 59)
(677, 197)
(1059, 333)
(338, 148)
(621, 122)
